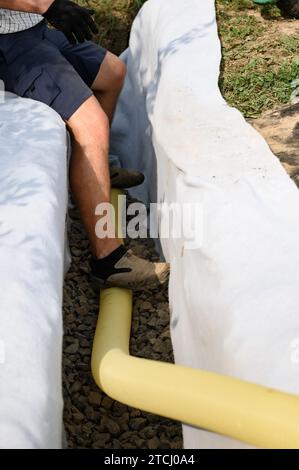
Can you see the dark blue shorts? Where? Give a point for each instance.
(41, 64)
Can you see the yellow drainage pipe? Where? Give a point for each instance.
(244, 411)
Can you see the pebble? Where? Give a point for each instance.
(101, 441)
(92, 419)
(94, 398)
(138, 423)
(72, 348)
(107, 403)
(153, 443)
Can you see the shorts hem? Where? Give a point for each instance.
(66, 115)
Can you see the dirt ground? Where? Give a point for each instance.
(280, 128)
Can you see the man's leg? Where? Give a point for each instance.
(104, 73)
(111, 264)
(106, 88)
(109, 82)
(89, 172)
(49, 77)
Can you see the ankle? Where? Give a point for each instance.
(104, 251)
(104, 267)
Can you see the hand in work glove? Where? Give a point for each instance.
(74, 21)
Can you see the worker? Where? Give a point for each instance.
(81, 81)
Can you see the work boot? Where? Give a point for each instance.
(122, 178)
(123, 269)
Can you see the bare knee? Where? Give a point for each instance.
(111, 75)
(89, 124)
(119, 74)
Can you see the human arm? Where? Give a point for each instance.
(73, 20)
(30, 6)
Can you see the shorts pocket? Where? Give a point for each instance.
(37, 85)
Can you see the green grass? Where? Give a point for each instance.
(256, 88)
(114, 18)
(259, 61)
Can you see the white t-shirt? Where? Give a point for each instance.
(13, 21)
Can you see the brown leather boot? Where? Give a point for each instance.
(122, 178)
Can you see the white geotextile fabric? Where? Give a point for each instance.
(234, 300)
(33, 199)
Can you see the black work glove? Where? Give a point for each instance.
(74, 21)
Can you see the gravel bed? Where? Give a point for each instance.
(92, 419)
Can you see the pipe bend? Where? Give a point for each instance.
(241, 410)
